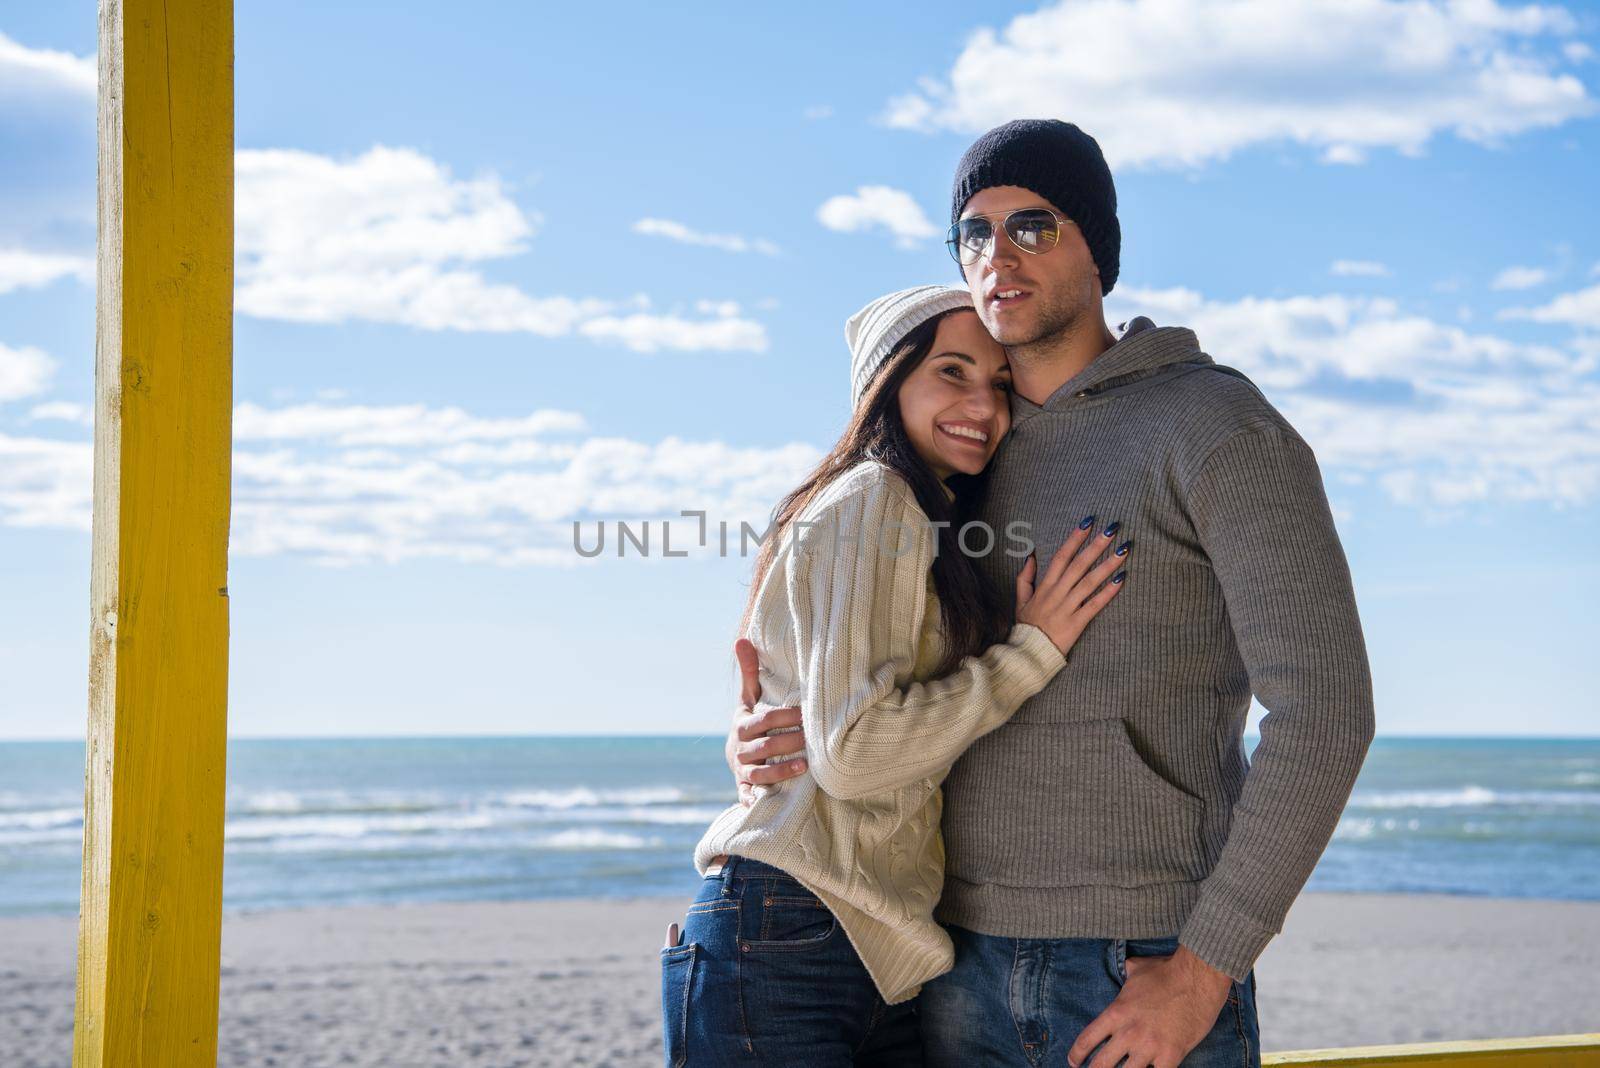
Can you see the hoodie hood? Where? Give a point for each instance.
(1143, 351)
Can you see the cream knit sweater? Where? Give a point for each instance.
(847, 625)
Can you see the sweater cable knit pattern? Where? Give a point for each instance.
(847, 623)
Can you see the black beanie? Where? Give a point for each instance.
(1062, 164)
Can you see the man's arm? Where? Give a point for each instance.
(749, 745)
(1262, 516)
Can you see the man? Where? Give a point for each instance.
(1115, 865)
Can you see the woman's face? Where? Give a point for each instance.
(956, 403)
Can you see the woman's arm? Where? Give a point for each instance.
(857, 581)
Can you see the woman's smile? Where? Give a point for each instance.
(967, 433)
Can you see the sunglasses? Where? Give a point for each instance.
(1033, 230)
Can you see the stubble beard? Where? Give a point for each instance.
(1058, 323)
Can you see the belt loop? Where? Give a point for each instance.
(726, 875)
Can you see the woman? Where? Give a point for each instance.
(813, 929)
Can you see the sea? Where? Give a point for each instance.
(353, 821)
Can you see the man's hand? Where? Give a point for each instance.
(749, 745)
(1164, 1010)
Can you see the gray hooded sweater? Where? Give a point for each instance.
(1118, 802)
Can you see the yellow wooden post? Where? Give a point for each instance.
(151, 914)
(1549, 1051)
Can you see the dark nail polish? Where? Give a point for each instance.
(1118, 577)
(1122, 550)
(1111, 531)
(1087, 523)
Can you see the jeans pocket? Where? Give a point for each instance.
(794, 921)
(677, 984)
(1123, 948)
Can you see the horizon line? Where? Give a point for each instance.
(487, 736)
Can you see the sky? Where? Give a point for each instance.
(506, 268)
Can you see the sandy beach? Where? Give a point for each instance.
(575, 983)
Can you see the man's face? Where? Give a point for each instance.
(1050, 290)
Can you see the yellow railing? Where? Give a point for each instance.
(1549, 1051)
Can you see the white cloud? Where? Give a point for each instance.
(32, 72)
(1359, 269)
(407, 424)
(24, 372)
(66, 411)
(1432, 414)
(21, 269)
(878, 207)
(1290, 342)
(648, 333)
(47, 128)
(677, 231)
(348, 484)
(1580, 309)
(46, 483)
(1184, 82)
(1428, 413)
(1498, 443)
(390, 236)
(1346, 154)
(1520, 278)
(819, 111)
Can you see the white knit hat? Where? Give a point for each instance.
(877, 330)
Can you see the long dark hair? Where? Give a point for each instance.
(969, 608)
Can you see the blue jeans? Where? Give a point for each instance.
(1024, 1001)
(764, 974)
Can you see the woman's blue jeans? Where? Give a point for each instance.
(764, 974)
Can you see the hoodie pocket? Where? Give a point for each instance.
(1069, 804)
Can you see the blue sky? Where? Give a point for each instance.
(501, 269)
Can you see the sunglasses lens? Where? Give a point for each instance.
(1033, 231)
(969, 239)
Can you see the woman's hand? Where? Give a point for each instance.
(1074, 588)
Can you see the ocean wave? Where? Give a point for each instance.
(344, 803)
(41, 827)
(49, 837)
(42, 819)
(674, 815)
(1472, 797)
(587, 797)
(268, 801)
(1369, 827)
(594, 839)
(330, 802)
(11, 801)
(571, 840)
(452, 821)
(336, 844)
(346, 827)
